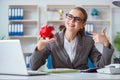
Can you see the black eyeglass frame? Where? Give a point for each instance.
(76, 19)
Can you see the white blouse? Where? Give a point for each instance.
(70, 48)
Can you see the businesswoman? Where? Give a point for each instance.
(71, 48)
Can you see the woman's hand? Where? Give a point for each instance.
(42, 42)
(101, 38)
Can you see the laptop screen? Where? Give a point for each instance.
(12, 58)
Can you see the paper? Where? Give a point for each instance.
(60, 70)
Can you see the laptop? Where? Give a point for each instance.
(12, 59)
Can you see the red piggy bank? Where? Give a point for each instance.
(46, 31)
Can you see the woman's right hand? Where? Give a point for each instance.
(42, 42)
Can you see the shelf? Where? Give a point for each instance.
(33, 21)
(55, 7)
(56, 21)
(27, 26)
(25, 36)
(24, 5)
(100, 6)
(103, 21)
(99, 21)
(27, 53)
(53, 16)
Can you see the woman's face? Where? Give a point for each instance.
(74, 20)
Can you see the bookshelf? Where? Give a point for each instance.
(25, 21)
(53, 16)
(103, 21)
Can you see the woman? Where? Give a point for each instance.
(71, 48)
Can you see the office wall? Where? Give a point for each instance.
(43, 3)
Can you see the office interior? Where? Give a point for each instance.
(42, 19)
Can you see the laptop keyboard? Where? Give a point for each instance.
(36, 73)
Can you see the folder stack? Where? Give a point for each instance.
(16, 30)
(15, 14)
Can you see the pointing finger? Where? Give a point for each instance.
(103, 31)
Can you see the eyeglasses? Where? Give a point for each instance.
(76, 19)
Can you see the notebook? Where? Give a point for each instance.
(12, 59)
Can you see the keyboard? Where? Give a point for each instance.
(36, 73)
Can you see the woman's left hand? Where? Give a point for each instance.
(101, 38)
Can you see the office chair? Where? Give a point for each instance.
(90, 64)
(49, 63)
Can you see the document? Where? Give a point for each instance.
(60, 70)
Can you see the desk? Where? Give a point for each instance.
(69, 76)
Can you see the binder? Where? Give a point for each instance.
(10, 29)
(13, 14)
(91, 27)
(21, 13)
(10, 13)
(18, 14)
(21, 30)
(88, 29)
(28, 61)
(15, 29)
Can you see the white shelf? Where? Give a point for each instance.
(104, 20)
(56, 21)
(99, 21)
(25, 36)
(53, 17)
(23, 5)
(30, 23)
(55, 7)
(27, 20)
(99, 5)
